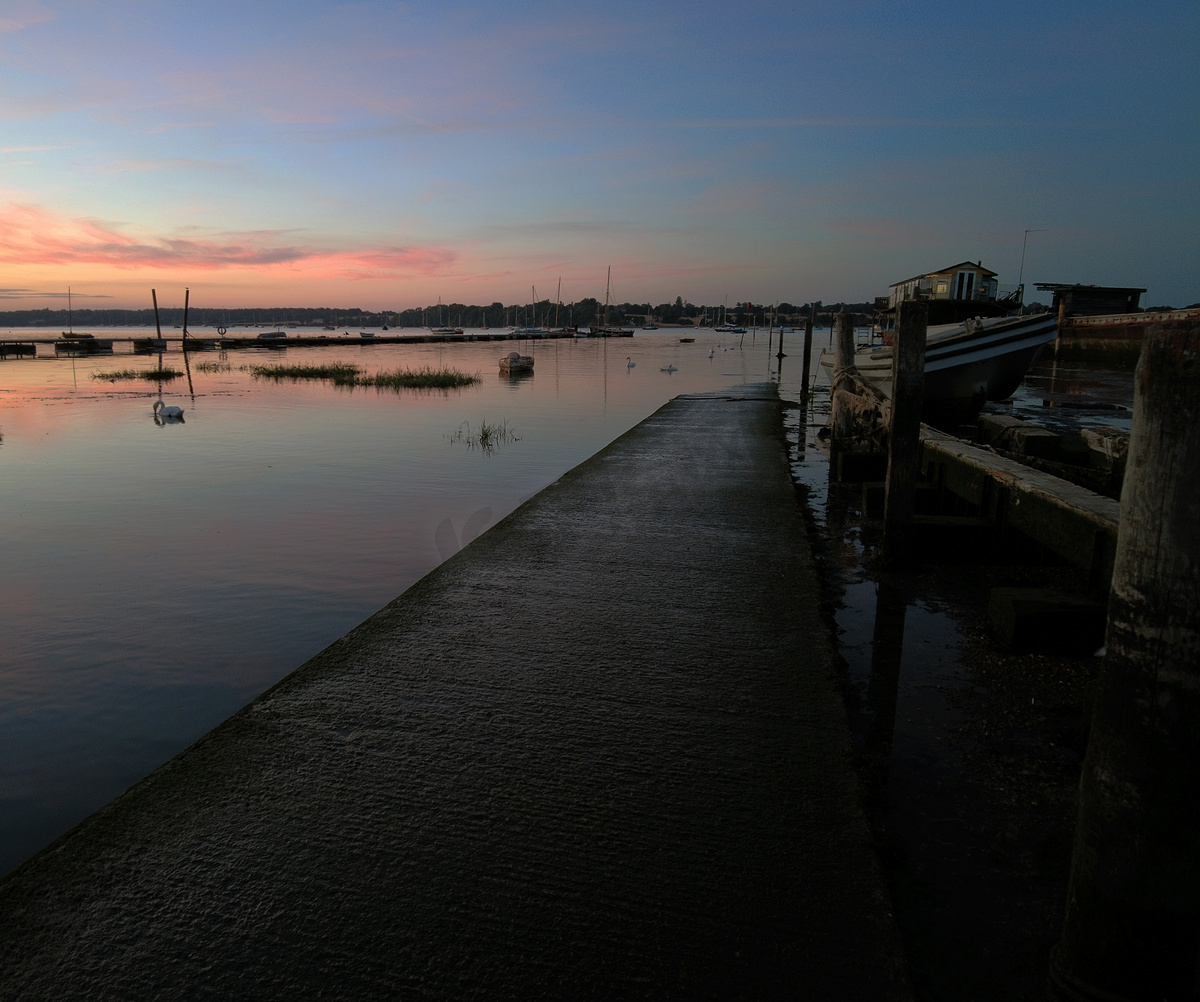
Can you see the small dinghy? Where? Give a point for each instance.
(514, 364)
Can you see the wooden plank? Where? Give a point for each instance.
(1071, 521)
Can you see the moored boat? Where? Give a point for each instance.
(966, 364)
(514, 363)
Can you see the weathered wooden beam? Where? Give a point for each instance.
(1071, 521)
(1132, 920)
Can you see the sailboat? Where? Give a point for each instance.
(443, 329)
(724, 327)
(606, 330)
(73, 341)
(70, 331)
(531, 329)
(557, 328)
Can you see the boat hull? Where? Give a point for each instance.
(966, 365)
(515, 364)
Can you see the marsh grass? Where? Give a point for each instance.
(338, 373)
(419, 379)
(213, 367)
(487, 437)
(152, 375)
(345, 374)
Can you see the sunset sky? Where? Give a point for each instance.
(383, 155)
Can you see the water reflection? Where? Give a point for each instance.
(154, 586)
(887, 645)
(1066, 393)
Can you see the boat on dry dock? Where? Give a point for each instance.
(966, 364)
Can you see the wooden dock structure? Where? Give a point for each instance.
(28, 346)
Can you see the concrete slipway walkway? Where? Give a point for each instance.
(597, 754)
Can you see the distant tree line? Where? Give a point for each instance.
(583, 313)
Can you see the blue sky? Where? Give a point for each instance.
(385, 154)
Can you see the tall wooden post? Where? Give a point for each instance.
(157, 325)
(845, 340)
(1132, 923)
(904, 431)
(807, 370)
(841, 420)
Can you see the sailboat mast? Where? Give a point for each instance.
(607, 291)
(557, 302)
(70, 315)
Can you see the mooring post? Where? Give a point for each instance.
(1132, 921)
(841, 420)
(807, 372)
(904, 431)
(845, 340)
(157, 325)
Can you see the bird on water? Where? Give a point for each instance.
(167, 412)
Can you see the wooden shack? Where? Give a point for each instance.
(1091, 300)
(962, 290)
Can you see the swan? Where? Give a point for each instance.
(629, 362)
(711, 352)
(668, 368)
(167, 412)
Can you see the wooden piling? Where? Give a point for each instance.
(157, 325)
(807, 373)
(904, 431)
(840, 419)
(1132, 919)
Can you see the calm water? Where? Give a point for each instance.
(157, 577)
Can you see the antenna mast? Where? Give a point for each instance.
(1021, 273)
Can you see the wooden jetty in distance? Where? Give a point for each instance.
(192, 342)
(27, 346)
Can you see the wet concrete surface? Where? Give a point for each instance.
(600, 753)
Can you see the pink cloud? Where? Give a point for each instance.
(30, 236)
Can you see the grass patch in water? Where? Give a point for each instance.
(419, 379)
(345, 374)
(338, 373)
(213, 367)
(487, 437)
(152, 375)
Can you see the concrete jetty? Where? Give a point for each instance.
(599, 753)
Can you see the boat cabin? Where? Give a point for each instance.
(963, 290)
